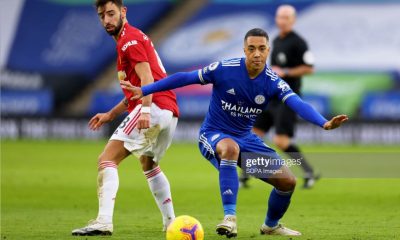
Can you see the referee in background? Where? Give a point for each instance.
(290, 59)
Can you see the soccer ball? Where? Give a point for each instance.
(185, 228)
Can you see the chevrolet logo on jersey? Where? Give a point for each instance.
(128, 44)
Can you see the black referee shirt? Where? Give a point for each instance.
(288, 52)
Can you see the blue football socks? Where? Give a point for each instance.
(229, 185)
(278, 203)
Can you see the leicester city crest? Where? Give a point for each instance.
(259, 99)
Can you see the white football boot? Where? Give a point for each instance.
(228, 226)
(94, 228)
(278, 230)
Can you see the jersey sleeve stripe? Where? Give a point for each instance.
(227, 62)
(201, 77)
(232, 60)
(231, 65)
(287, 96)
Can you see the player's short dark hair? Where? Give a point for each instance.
(100, 3)
(256, 32)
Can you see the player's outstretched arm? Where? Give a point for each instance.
(308, 113)
(171, 82)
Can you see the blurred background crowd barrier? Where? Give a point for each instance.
(58, 64)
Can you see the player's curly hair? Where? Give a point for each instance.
(256, 32)
(100, 3)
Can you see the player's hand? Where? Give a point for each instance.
(99, 119)
(143, 121)
(137, 91)
(335, 122)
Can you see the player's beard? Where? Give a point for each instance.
(116, 29)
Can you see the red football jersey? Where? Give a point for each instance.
(133, 47)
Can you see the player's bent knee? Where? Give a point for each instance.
(291, 182)
(114, 151)
(101, 157)
(106, 157)
(228, 149)
(287, 184)
(231, 152)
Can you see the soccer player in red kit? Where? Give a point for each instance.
(148, 129)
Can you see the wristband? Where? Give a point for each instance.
(145, 110)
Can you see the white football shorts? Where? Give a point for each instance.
(153, 141)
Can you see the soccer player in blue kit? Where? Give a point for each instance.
(241, 89)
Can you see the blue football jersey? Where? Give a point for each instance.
(236, 99)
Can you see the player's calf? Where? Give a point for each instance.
(286, 184)
(284, 181)
(160, 189)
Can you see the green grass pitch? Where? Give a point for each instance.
(49, 188)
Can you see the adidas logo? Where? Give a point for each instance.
(231, 91)
(228, 192)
